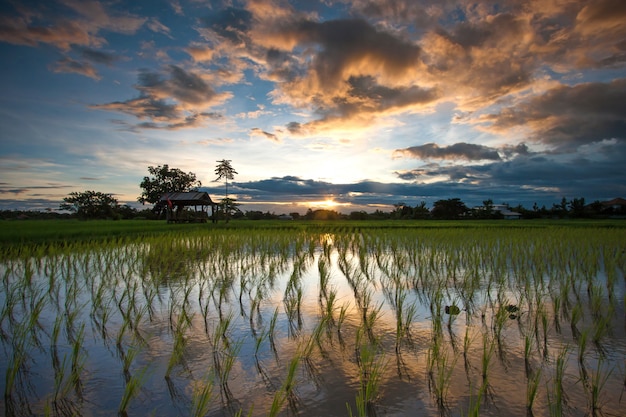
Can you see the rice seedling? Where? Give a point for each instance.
(487, 354)
(557, 396)
(201, 397)
(286, 390)
(128, 357)
(601, 327)
(444, 368)
(597, 382)
(324, 273)
(17, 361)
(178, 348)
(473, 409)
(77, 361)
(576, 316)
(224, 364)
(131, 390)
(582, 349)
(532, 387)
(371, 365)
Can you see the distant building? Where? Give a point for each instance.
(617, 205)
(506, 213)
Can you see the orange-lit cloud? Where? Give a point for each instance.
(89, 18)
(72, 66)
(174, 99)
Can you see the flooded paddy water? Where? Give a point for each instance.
(420, 322)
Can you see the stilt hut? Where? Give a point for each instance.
(189, 207)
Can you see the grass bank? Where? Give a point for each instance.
(59, 232)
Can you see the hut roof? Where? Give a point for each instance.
(191, 198)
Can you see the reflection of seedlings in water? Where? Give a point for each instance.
(577, 314)
(532, 386)
(146, 288)
(371, 364)
(285, 392)
(557, 396)
(131, 390)
(601, 327)
(178, 348)
(343, 310)
(201, 397)
(128, 357)
(542, 317)
(488, 350)
(467, 341)
(499, 320)
(445, 367)
(78, 362)
(258, 340)
(473, 409)
(400, 327)
(556, 311)
(370, 319)
(324, 272)
(224, 364)
(582, 348)
(528, 346)
(599, 377)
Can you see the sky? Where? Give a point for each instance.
(345, 105)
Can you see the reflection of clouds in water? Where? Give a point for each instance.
(259, 271)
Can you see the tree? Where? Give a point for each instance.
(421, 211)
(91, 205)
(452, 208)
(402, 211)
(224, 170)
(577, 207)
(163, 180)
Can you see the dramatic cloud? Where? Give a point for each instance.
(467, 151)
(364, 101)
(347, 71)
(593, 175)
(566, 117)
(79, 24)
(173, 100)
(19, 31)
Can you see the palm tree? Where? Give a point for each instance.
(224, 170)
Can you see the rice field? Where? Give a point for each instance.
(337, 321)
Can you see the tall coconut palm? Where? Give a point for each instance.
(224, 170)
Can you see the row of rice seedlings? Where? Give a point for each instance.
(371, 366)
(438, 265)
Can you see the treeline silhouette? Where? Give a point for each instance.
(453, 208)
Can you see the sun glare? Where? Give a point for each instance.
(327, 204)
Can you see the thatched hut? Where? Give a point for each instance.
(189, 207)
